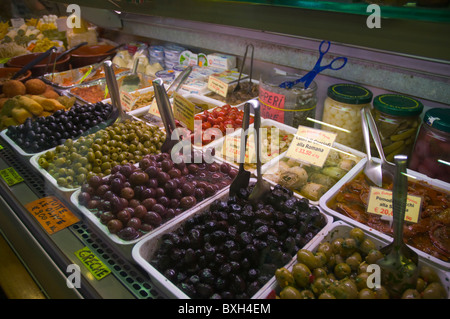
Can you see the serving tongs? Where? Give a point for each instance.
(32, 63)
(372, 169)
(178, 82)
(387, 167)
(238, 85)
(114, 92)
(164, 108)
(399, 268)
(91, 72)
(243, 176)
(262, 187)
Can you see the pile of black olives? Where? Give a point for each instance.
(232, 249)
(42, 133)
(71, 164)
(134, 200)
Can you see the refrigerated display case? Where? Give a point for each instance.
(408, 54)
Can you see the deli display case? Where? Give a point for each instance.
(54, 215)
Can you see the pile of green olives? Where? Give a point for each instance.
(338, 270)
(75, 161)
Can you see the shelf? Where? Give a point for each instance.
(408, 11)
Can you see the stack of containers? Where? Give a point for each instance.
(172, 54)
(156, 53)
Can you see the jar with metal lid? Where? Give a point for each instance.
(341, 113)
(431, 152)
(397, 118)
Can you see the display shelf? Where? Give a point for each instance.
(47, 256)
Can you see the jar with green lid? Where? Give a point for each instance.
(431, 152)
(341, 113)
(397, 118)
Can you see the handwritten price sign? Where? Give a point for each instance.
(311, 145)
(380, 202)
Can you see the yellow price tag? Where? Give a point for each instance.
(311, 145)
(183, 110)
(218, 86)
(52, 214)
(10, 176)
(95, 266)
(380, 202)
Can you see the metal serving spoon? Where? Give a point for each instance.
(372, 169)
(399, 269)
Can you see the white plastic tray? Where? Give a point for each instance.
(362, 161)
(217, 145)
(342, 229)
(34, 162)
(113, 237)
(350, 176)
(144, 250)
(14, 144)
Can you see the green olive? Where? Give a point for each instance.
(362, 267)
(357, 234)
(319, 272)
(366, 294)
(366, 246)
(301, 274)
(434, 291)
(428, 274)
(336, 244)
(306, 257)
(381, 293)
(342, 270)
(373, 256)
(325, 247)
(307, 294)
(284, 277)
(361, 280)
(320, 285)
(339, 259)
(348, 246)
(420, 285)
(354, 260)
(411, 294)
(326, 295)
(43, 162)
(290, 292)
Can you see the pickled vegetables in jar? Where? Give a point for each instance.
(431, 153)
(341, 113)
(397, 118)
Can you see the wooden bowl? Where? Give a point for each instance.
(90, 54)
(7, 73)
(42, 67)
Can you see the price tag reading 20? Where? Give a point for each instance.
(311, 145)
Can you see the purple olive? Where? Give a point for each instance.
(124, 216)
(114, 226)
(164, 200)
(128, 233)
(152, 218)
(148, 193)
(95, 181)
(162, 178)
(188, 189)
(127, 192)
(134, 202)
(187, 202)
(84, 198)
(101, 190)
(174, 203)
(106, 217)
(225, 168)
(200, 194)
(152, 171)
(146, 227)
(140, 211)
(174, 173)
(159, 209)
(138, 178)
(160, 192)
(149, 202)
(166, 165)
(152, 182)
(135, 223)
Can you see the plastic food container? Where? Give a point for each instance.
(342, 110)
(240, 97)
(146, 249)
(431, 155)
(341, 229)
(397, 118)
(326, 203)
(291, 106)
(310, 181)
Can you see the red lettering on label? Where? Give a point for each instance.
(272, 105)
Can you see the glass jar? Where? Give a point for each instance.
(397, 118)
(341, 113)
(291, 106)
(431, 152)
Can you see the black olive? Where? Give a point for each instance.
(170, 274)
(237, 284)
(204, 290)
(221, 283)
(225, 269)
(194, 279)
(187, 289)
(262, 231)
